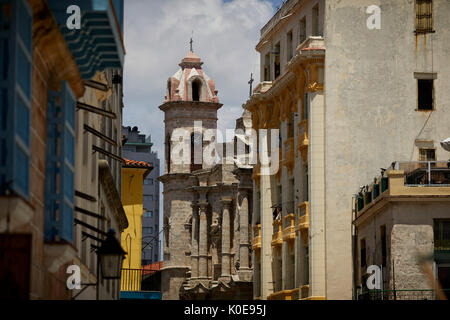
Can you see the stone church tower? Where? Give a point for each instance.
(206, 206)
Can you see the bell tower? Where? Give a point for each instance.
(190, 107)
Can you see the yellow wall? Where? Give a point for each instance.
(132, 188)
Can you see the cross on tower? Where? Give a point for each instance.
(251, 84)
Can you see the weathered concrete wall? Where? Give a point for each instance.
(370, 117)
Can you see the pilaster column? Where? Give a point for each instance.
(194, 242)
(243, 232)
(203, 241)
(226, 239)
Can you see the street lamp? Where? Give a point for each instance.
(111, 256)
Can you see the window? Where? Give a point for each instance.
(306, 191)
(424, 16)
(277, 66)
(15, 94)
(302, 30)
(147, 230)
(196, 90)
(148, 214)
(383, 245)
(148, 182)
(60, 163)
(148, 197)
(289, 45)
(363, 252)
(441, 234)
(196, 151)
(168, 151)
(169, 90)
(306, 107)
(267, 67)
(315, 22)
(291, 126)
(425, 94)
(426, 154)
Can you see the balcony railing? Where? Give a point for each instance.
(277, 236)
(134, 279)
(289, 230)
(256, 244)
(425, 294)
(405, 178)
(426, 173)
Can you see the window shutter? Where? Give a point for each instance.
(424, 15)
(15, 94)
(60, 165)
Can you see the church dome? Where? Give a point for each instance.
(190, 82)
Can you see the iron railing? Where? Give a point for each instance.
(404, 294)
(426, 173)
(132, 279)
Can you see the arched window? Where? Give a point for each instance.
(168, 151)
(169, 90)
(196, 146)
(196, 90)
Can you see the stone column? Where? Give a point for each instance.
(226, 239)
(243, 231)
(194, 242)
(203, 241)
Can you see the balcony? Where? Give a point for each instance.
(98, 44)
(303, 220)
(144, 283)
(288, 157)
(419, 179)
(303, 216)
(277, 236)
(303, 141)
(284, 295)
(304, 291)
(424, 294)
(289, 230)
(256, 244)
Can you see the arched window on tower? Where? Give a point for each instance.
(169, 90)
(196, 146)
(196, 90)
(168, 151)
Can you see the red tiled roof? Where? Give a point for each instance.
(152, 268)
(136, 164)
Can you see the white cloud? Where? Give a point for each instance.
(157, 34)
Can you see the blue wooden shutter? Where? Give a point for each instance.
(15, 94)
(60, 165)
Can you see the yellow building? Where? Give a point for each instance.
(133, 174)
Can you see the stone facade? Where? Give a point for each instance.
(342, 108)
(207, 207)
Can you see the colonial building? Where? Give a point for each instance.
(139, 148)
(55, 204)
(343, 104)
(402, 220)
(207, 206)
